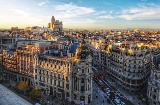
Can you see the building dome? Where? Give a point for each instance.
(83, 51)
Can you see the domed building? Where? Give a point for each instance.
(83, 51)
(82, 78)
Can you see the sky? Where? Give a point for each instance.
(81, 14)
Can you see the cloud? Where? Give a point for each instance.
(100, 12)
(20, 12)
(142, 13)
(110, 11)
(80, 21)
(106, 17)
(42, 3)
(147, 5)
(72, 10)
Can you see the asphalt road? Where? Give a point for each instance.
(127, 102)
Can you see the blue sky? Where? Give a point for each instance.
(81, 14)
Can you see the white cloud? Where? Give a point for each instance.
(106, 17)
(140, 13)
(80, 21)
(20, 12)
(110, 11)
(42, 3)
(71, 10)
(100, 12)
(147, 5)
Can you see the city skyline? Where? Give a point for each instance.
(80, 14)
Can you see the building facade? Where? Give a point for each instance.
(55, 25)
(130, 67)
(10, 66)
(68, 78)
(153, 90)
(129, 64)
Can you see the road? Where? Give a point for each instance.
(98, 96)
(123, 99)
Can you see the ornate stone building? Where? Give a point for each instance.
(153, 90)
(69, 78)
(55, 25)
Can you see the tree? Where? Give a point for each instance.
(28, 90)
(35, 94)
(22, 85)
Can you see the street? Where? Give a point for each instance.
(113, 89)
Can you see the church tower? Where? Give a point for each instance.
(82, 75)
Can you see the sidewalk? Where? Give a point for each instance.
(50, 100)
(21, 95)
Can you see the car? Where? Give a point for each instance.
(100, 82)
(108, 89)
(108, 94)
(122, 103)
(116, 97)
(117, 101)
(121, 95)
(117, 92)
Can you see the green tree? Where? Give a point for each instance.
(35, 94)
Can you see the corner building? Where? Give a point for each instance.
(153, 89)
(68, 78)
(129, 66)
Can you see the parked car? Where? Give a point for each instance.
(122, 103)
(117, 101)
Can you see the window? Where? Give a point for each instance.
(40, 78)
(82, 88)
(54, 82)
(58, 83)
(35, 70)
(67, 86)
(82, 80)
(66, 78)
(35, 76)
(43, 79)
(82, 70)
(51, 81)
